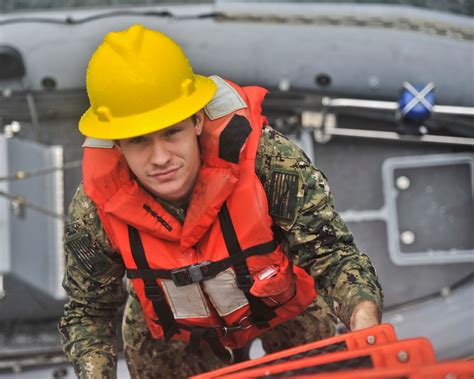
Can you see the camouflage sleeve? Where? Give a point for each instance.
(93, 283)
(316, 237)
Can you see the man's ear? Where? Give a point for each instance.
(199, 122)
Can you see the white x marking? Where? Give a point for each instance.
(419, 97)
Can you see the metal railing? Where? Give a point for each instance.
(324, 123)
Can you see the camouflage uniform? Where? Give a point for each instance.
(315, 237)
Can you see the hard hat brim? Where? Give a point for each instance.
(154, 120)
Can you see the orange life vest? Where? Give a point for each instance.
(221, 274)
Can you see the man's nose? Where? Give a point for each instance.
(160, 154)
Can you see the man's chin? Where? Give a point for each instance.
(168, 193)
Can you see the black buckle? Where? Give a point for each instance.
(153, 293)
(244, 282)
(187, 275)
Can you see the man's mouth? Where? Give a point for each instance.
(165, 174)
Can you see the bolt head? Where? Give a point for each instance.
(403, 183)
(7, 92)
(284, 85)
(402, 356)
(16, 126)
(407, 237)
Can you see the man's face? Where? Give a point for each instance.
(166, 162)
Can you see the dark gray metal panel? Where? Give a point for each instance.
(437, 207)
(353, 166)
(402, 284)
(36, 238)
(429, 200)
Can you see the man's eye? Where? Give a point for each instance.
(137, 140)
(172, 132)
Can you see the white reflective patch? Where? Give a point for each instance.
(99, 143)
(225, 101)
(186, 301)
(224, 293)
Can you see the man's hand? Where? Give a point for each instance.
(364, 315)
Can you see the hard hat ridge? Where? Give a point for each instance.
(139, 81)
(126, 49)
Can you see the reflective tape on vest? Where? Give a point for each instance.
(190, 301)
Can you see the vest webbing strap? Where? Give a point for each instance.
(212, 338)
(201, 271)
(260, 312)
(165, 316)
(152, 290)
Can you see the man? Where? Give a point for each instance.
(222, 225)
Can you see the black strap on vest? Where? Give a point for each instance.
(201, 271)
(260, 312)
(152, 290)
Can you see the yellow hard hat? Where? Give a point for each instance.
(140, 81)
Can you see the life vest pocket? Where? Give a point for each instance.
(303, 295)
(187, 301)
(275, 284)
(223, 293)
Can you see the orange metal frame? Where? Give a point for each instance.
(441, 370)
(416, 351)
(362, 339)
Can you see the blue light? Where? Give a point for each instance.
(417, 101)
